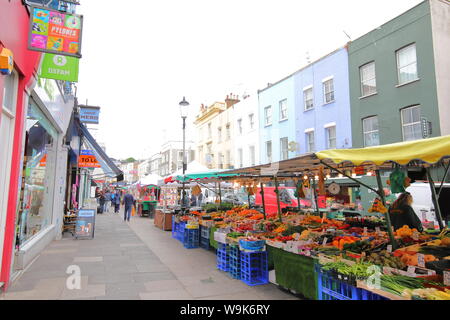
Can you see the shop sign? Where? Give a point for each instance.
(43, 161)
(85, 224)
(89, 114)
(88, 160)
(6, 61)
(359, 171)
(54, 31)
(58, 67)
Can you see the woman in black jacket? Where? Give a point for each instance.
(401, 213)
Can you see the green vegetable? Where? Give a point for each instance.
(396, 284)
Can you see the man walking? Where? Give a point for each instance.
(117, 202)
(107, 200)
(128, 201)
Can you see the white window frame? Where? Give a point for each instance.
(239, 127)
(251, 120)
(286, 150)
(308, 132)
(252, 152)
(228, 128)
(412, 123)
(281, 110)
(269, 158)
(209, 131)
(327, 135)
(324, 82)
(397, 54)
(363, 81)
(240, 158)
(219, 134)
(305, 100)
(371, 131)
(266, 109)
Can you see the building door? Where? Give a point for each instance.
(7, 119)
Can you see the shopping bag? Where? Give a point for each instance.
(133, 211)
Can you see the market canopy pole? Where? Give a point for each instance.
(443, 179)
(278, 199)
(437, 209)
(298, 196)
(263, 200)
(388, 218)
(315, 197)
(220, 194)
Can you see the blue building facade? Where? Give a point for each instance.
(322, 104)
(277, 108)
(307, 111)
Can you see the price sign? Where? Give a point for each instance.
(447, 278)
(415, 235)
(411, 271)
(378, 231)
(365, 231)
(389, 248)
(421, 260)
(324, 242)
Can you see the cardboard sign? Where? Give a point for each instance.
(85, 224)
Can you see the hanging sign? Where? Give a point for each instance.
(43, 161)
(6, 61)
(88, 160)
(54, 31)
(85, 224)
(58, 67)
(89, 114)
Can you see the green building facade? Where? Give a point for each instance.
(396, 87)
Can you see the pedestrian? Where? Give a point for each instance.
(117, 202)
(107, 200)
(193, 200)
(128, 201)
(401, 213)
(101, 201)
(200, 199)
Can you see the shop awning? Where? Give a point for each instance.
(107, 165)
(430, 151)
(203, 176)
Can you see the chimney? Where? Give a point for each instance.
(231, 100)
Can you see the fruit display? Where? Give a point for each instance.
(385, 259)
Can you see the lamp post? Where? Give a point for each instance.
(184, 106)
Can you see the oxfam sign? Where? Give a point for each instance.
(59, 67)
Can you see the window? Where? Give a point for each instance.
(220, 160)
(241, 160)
(407, 64)
(239, 124)
(251, 120)
(331, 137)
(411, 127)
(219, 134)
(209, 131)
(269, 151)
(368, 79)
(228, 163)
(328, 91)
(268, 116)
(228, 132)
(283, 110)
(252, 156)
(308, 98)
(9, 92)
(370, 131)
(284, 152)
(310, 145)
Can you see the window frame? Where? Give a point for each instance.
(361, 82)
(324, 82)
(286, 151)
(281, 110)
(307, 89)
(308, 133)
(269, 158)
(397, 52)
(327, 135)
(412, 123)
(266, 123)
(369, 132)
(240, 128)
(251, 119)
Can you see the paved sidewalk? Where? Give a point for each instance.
(132, 260)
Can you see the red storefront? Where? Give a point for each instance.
(14, 93)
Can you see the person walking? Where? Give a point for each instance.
(101, 201)
(128, 201)
(117, 202)
(107, 200)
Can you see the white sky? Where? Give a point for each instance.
(141, 57)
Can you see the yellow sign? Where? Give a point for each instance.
(6, 61)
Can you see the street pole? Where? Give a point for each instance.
(183, 201)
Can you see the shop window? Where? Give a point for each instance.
(36, 203)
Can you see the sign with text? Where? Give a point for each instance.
(89, 114)
(58, 67)
(54, 31)
(88, 160)
(85, 224)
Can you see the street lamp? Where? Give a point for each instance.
(184, 107)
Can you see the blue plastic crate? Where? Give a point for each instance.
(204, 232)
(234, 262)
(191, 238)
(174, 229)
(254, 268)
(204, 243)
(330, 288)
(180, 231)
(223, 258)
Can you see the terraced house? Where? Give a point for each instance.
(399, 77)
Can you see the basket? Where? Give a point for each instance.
(252, 245)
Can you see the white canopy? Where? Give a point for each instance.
(150, 179)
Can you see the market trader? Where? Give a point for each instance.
(128, 201)
(401, 213)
